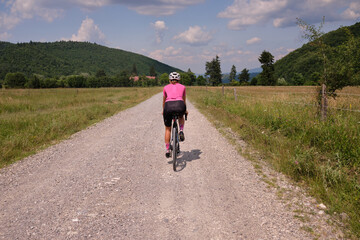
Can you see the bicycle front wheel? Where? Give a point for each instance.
(174, 147)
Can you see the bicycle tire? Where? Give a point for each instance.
(174, 147)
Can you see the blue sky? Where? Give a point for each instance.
(182, 33)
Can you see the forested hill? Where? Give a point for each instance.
(67, 58)
(305, 62)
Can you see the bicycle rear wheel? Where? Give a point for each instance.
(174, 147)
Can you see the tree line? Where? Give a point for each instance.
(332, 58)
(65, 58)
(266, 77)
(101, 79)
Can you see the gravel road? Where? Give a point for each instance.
(112, 181)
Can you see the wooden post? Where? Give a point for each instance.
(235, 95)
(324, 103)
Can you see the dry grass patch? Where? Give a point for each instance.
(283, 125)
(32, 119)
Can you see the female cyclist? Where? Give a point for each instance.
(174, 101)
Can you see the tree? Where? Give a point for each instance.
(315, 77)
(232, 73)
(281, 82)
(49, 83)
(213, 70)
(124, 79)
(76, 81)
(244, 76)
(92, 82)
(201, 81)
(134, 71)
(15, 80)
(234, 83)
(337, 72)
(151, 82)
(152, 71)
(298, 79)
(192, 77)
(100, 73)
(185, 79)
(164, 79)
(267, 77)
(34, 82)
(254, 81)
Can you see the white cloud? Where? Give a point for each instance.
(27, 9)
(88, 31)
(282, 13)
(160, 28)
(194, 36)
(168, 53)
(8, 21)
(174, 56)
(5, 36)
(253, 40)
(159, 25)
(14, 11)
(91, 4)
(278, 22)
(145, 7)
(352, 12)
(244, 13)
(158, 7)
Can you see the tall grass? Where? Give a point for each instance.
(33, 119)
(282, 123)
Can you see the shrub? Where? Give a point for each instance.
(282, 82)
(15, 80)
(76, 81)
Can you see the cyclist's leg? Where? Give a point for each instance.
(182, 108)
(167, 122)
(167, 141)
(181, 127)
(167, 135)
(181, 122)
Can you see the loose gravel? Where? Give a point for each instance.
(112, 181)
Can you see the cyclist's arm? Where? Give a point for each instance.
(184, 98)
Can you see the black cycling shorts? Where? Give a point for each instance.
(172, 107)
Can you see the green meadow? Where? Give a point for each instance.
(283, 125)
(33, 119)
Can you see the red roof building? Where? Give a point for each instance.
(136, 78)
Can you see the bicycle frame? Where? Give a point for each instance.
(175, 141)
(175, 148)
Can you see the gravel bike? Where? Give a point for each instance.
(175, 141)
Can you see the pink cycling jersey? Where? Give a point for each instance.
(174, 92)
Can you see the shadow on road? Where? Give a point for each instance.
(185, 157)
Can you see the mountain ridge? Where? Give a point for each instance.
(63, 58)
(306, 61)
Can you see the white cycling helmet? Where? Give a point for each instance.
(174, 76)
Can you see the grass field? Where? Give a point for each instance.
(283, 125)
(31, 120)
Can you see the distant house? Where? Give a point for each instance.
(136, 78)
